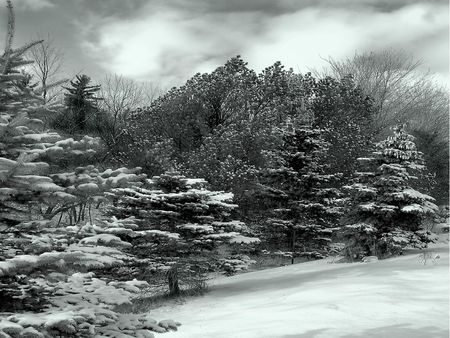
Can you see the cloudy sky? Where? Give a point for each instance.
(167, 41)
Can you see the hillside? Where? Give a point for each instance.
(398, 297)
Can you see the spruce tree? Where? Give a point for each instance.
(47, 288)
(384, 213)
(81, 103)
(297, 195)
(181, 226)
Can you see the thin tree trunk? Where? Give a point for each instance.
(60, 218)
(293, 246)
(172, 279)
(74, 211)
(90, 215)
(80, 212)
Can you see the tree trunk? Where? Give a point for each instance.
(172, 279)
(293, 246)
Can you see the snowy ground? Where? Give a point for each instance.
(393, 298)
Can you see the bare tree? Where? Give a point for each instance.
(121, 96)
(401, 90)
(48, 61)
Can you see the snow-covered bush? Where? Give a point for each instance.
(384, 214)
(85, 187)
(176, 225)
(236, 263)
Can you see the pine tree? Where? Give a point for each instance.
(180, 224)
(47, 288)
(301, 205)
(384, 213)
(81, 103)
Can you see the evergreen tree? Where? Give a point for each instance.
(181, 225)
(47, 288)
(81, 104)
(384, 213)
(295, 191)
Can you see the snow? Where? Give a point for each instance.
(236, 225)
(368, 206)
(83, 306)
(414, 194)
(197, 228)
(370, 259)
(222, 236)
(41, 137)
(104, 239)
(244, 240)
(88, 188)
(222, 197)
(11, 264)
(366, 227)
(132, 286)
(160, 233)
(87, 256)
(120, 179)
(428, 207)
(361, 188)
(38, 183)
(398, 297)
(193, 181)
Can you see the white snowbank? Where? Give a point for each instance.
(397, 297)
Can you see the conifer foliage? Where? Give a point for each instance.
(179, 225)
(81, 105)
(384, 213)
(47, 287)
(296, 192)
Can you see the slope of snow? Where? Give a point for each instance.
(398, 297)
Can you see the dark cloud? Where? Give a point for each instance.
(169, 40)
(109, 8)
(133, 8)
(287, 6)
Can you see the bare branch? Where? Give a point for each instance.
(48, 61)
(121, 96)
(401, 91)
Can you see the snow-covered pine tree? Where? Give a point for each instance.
(41, 292)
(384, 213)
(84, 188)
(300, 201)
(178, 226)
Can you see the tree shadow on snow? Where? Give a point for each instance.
(286, 280)
(308, 334)
(402, 331)
(387, 269)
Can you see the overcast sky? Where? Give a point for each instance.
(167, 41)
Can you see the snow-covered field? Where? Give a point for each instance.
(393, 298)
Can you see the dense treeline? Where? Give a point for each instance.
(219, 125)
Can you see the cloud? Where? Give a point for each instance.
(168, 43)
(300, 39)
(33, 5)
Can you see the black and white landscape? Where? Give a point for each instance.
(239, 169)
